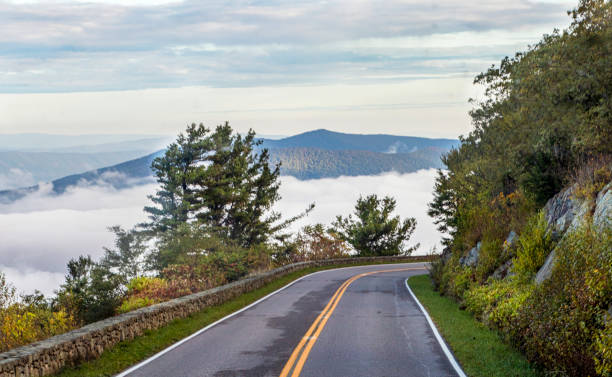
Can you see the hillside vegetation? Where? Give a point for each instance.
(313, 163)
(545, 124)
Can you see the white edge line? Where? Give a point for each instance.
(447, 352)
(170, 348)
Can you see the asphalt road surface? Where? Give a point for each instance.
(350, 322)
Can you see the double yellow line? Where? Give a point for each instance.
(308, 340)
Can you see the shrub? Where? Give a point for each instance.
(314, 242)
(592, 175)
(29, 320)
(497, 303)
(533, 246)
(461, 282)
(603, 350)
(561, 324)
(133, 303)
(490, 257)
(90, 292)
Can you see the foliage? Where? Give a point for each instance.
(373, 232)
(534, 244)
(127, 260)
(28, 320)
(314, 242)
(498, 302)
(144, 291)
(544, 124)
(559, 324)
(90, 291)
(7, 292)
(480, 351)
(218, 180)
(591, 176)
(544, 112)
(603, 349)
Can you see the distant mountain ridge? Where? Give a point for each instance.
(123, 175)
(34, 167)
(330, 140)
(311, 155)
(314, 163)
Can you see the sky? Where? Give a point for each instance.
(280, 67)
(40, 233)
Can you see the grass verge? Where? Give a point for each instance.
(479, 350)
(128, 353)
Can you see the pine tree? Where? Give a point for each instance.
(220, 181)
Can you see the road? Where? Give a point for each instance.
(358, 321)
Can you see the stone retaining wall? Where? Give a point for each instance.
(51, 355)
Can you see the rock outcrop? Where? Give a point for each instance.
(471, 259)
(602, 217)
(508, 247)
(564, 213)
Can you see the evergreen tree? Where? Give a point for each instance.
(373, 232)
(127, 259)
(221, 182)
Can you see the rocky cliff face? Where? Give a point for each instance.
(565, 212)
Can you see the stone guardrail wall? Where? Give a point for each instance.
(49, 356)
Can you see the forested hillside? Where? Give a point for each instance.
(325, 139)
(312, 163)
(545, 124)
(311, 155)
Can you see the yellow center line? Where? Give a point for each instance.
(317, 326)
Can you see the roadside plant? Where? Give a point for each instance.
(533, 246)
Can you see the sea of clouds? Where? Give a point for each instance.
(41, 232)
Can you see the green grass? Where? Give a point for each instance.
(128, 353)
(479, 350)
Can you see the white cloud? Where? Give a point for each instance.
(338, 196)
(16, 178)
(126, 3)
(41, 233)
(28, 280)
(110, 45)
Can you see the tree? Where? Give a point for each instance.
(373, 232)
(7, 292)
(91, 291)
(220, 181)
(127, 260)
(175, 175)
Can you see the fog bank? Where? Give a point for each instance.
(40, 233)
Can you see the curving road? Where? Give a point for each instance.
(358, 321)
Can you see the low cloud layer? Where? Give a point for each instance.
(15, 178)
(41, 233)
(338, 196)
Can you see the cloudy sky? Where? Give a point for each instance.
(281, 67)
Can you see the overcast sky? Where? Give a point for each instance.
(280, 67)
